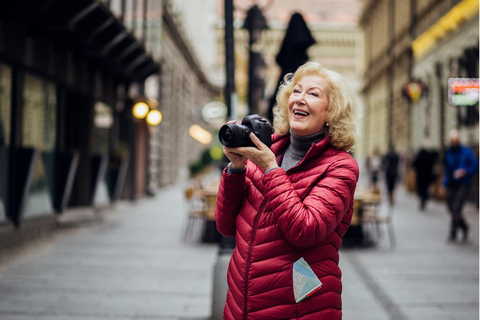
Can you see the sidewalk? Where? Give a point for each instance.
(424, 277)
(133, 265)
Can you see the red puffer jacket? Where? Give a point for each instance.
(280, 217)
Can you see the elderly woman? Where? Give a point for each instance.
(292, 202)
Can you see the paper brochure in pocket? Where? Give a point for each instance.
(305, 282)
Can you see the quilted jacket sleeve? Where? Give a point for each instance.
(229, 199)
(308, 222)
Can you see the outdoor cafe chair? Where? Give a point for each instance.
(196, 210)
(373, 219)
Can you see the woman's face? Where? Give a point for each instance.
(307, 105)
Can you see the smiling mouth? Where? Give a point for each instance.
(300, 113)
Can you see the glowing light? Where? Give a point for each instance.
(140, 110)
(154, 117)
(200, 134)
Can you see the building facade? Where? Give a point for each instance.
(387, 64)
(455, 55)
(70, 75)
(63, 68)
(412, 48)
(185, 89)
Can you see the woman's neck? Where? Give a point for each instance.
(298, 148)
(300, 145)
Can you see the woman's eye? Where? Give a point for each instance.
(314, 94)
(296, 90)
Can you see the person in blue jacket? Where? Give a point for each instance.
(460, 166)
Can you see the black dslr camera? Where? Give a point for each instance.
(235, 135)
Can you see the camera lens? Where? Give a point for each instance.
(231, 135)
(228, 135)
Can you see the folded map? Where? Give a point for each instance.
(305, 282)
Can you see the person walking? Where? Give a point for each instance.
(460, 165)
(423, 165)
(374, 166)
(289, 206)
(390, 163)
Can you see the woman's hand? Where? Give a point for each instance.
(261, 155)
(238, 161)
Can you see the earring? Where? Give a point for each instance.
(327, 124)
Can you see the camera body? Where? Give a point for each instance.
(235, 135)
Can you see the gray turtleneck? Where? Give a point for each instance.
(298, 148)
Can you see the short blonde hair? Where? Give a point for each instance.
(343, 101)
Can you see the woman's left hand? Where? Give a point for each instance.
(261, 155)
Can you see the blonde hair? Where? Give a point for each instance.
(342, 107)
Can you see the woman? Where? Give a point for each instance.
(292, 201)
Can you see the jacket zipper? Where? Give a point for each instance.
(254, 231)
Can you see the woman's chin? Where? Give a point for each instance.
(298, 131)
(297, 126)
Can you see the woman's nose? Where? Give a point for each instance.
(300, 100)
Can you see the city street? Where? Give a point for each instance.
(134, 265)
(113, 115)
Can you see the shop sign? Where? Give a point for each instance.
(414, 90)
(452, 21)
(463, 91)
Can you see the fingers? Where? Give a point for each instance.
(238, 160)
(256, 141)
(261, 155)
(239, 151)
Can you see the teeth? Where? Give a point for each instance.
(303, 113)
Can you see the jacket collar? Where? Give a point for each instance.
(280, 144)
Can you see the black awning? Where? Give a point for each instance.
(88, 26)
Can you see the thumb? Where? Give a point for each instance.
(256, 141)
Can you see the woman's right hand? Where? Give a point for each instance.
(238, 161)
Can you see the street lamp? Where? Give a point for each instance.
(142, 110)
(154, 118)
(255, 23)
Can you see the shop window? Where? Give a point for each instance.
(5, 114)
(39, 133)
(116, 8)
(129, 15)
(103, 121)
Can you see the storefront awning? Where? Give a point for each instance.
(88, 26)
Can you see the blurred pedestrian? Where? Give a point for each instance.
(460, 165)
(374, 166)
(423, 165)
(390, 164)
(289, 206)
